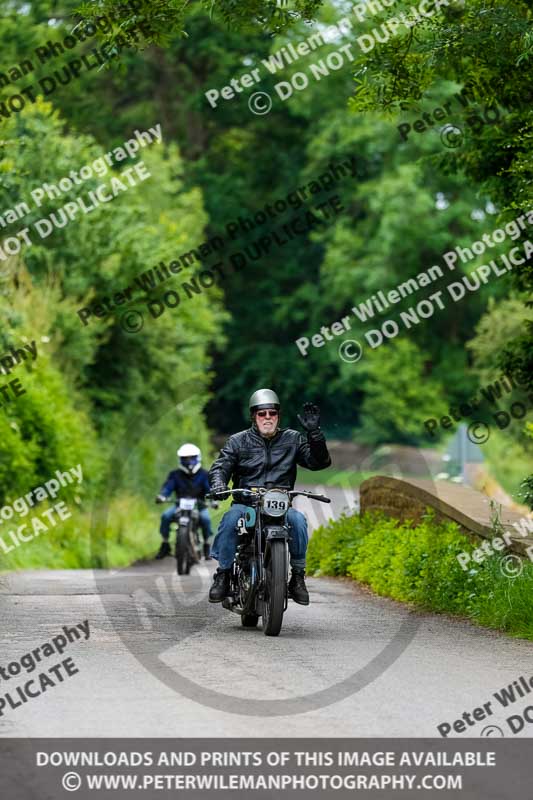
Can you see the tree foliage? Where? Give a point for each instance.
(406, 203)
(95, 379)
(164, 19)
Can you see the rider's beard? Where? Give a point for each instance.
(267, 434)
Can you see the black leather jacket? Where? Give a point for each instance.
(250, 460)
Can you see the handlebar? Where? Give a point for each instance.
(261, 490)
(321, 497)
(176, 501)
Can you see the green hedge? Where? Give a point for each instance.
(419, 565)
(125, 532)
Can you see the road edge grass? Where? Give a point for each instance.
(418, 565)
(110, 537)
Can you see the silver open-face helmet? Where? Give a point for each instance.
(263, 398)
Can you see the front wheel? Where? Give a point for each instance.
(183, 553)
(195, 546)
(275, 588)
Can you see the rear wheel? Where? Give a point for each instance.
(275, 588)
(183, 553)
(249, 620)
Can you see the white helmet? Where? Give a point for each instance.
(190, 458)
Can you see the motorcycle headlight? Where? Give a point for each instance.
(275, 503)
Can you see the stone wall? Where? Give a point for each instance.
(408, 500)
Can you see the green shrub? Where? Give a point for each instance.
(419, 565)
(130, 533)
(91, 538)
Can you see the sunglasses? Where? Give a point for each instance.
(267, 413)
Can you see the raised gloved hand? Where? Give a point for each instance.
(161, 499)
(311, 417)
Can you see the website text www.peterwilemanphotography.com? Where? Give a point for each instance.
(266, 398)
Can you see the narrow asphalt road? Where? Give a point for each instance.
(161, 661)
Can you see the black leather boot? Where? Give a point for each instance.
(297, 588)
(220, 587)
(164, 550)
(207, 551)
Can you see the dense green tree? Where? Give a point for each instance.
(406, 205)
(165, 18)
(121, 375)
(398, 219)
(400, 394)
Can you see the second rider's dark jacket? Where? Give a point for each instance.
(250, 460)
(186, 485)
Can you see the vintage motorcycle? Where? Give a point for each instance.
(188, 545)
(258, 581)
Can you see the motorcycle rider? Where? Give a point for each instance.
(266, 455)
(189, 480)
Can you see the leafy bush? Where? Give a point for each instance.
(95, 388)
(419, 565)
(526, 490)
(100, 536)
(125, 538)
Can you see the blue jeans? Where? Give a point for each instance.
(225, 543)
(166, 519)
